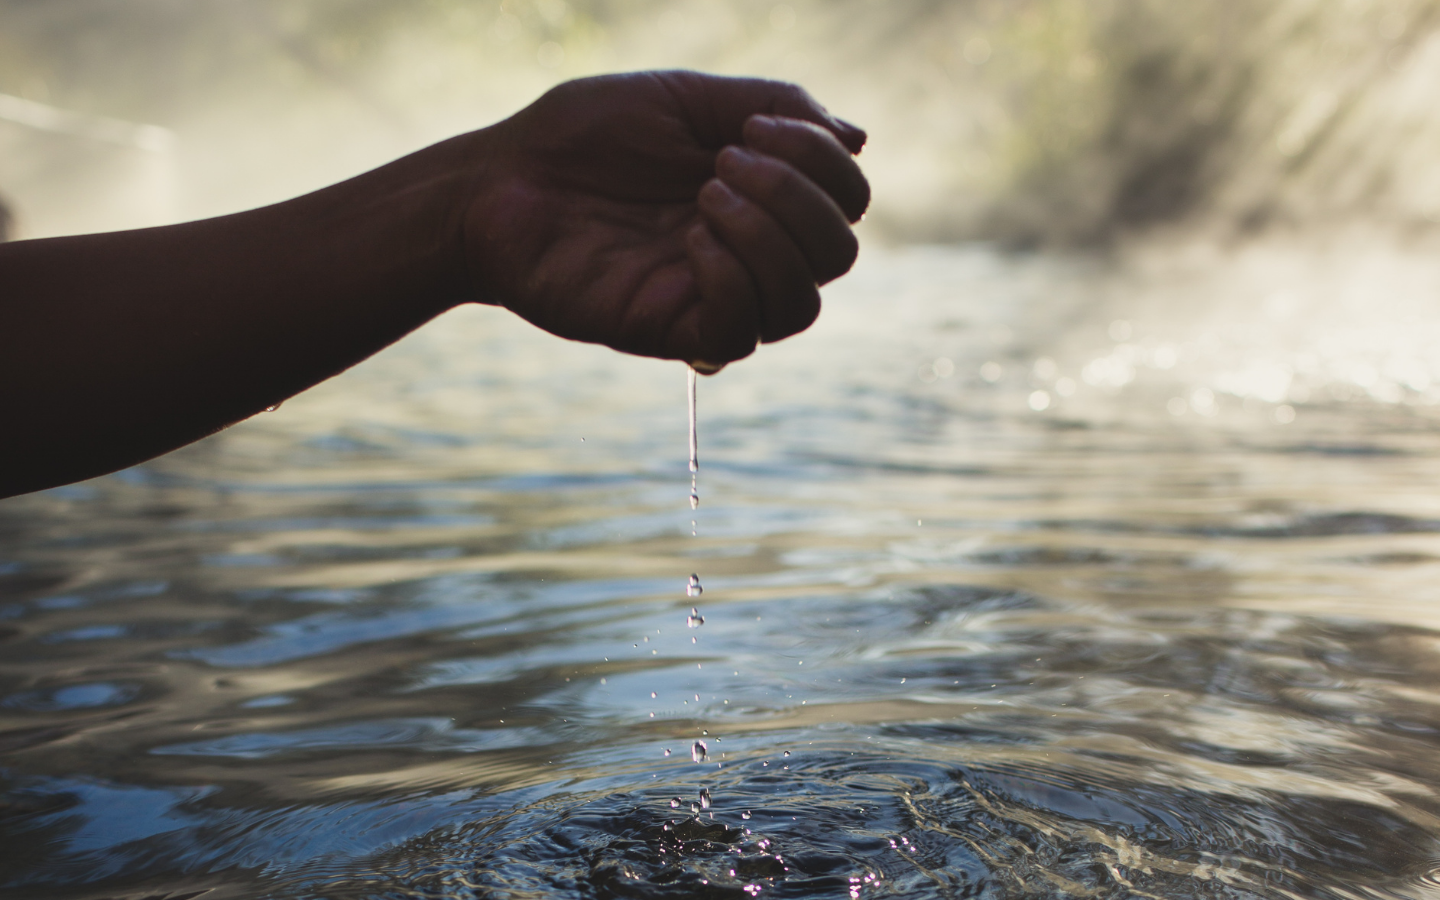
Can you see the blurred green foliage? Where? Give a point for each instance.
(1026, 121)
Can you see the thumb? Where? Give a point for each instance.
(717, 106)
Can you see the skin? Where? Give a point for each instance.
(670, 214)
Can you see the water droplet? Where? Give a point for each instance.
(745, 814)
(704, 798)
(693, 589)
(787, 753)
(272, 408)
(697, 698)
(667, 751)
(694, 499)
(675, 802)
(698, 751)
(652, 695)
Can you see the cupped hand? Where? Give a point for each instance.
(666, 214)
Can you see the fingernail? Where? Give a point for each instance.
(732, 157)
(763, 126)
(717, 193)
(858, 137)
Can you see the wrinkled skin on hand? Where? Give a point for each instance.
(666, 214)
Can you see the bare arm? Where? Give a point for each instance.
(595, 213)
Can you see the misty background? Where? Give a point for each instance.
(1030, 123)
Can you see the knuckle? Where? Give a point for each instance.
(749, 224)
(849, 251)
(737, 347)
(862, 199)
(774, 181)
(800, 313)
(795, 98)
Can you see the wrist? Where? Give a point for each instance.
(410, 214)
(475, 224)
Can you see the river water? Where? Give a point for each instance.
(1023, 576)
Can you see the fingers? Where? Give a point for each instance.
(729, 310)
(811, 218)
(815, 152)
(797, 103)
(717, 107)
(783, 283)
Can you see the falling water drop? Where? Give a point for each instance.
(694, 588)
(787, 753)
(698, 751)
(745, 814)
(704, 798)
(652, 695)
(667, 751)
(675, 802)
(694, 620)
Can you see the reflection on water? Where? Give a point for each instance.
(410, 635)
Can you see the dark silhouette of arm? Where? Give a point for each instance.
(595, 213)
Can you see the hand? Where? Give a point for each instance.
(666, 214)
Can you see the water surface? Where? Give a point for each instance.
(1023, 577)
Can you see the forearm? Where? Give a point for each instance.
(118, 347)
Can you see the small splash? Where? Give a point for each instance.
(698, 751)
(704, 798)
(694, 588)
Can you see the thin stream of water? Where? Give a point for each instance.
(690, 382)
(693, 587)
